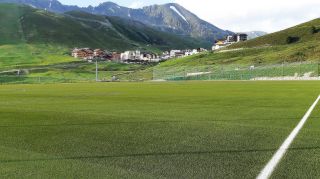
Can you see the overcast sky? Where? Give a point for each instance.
(237, 15)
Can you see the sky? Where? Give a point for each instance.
(236, 15)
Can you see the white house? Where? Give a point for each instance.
(131, 55)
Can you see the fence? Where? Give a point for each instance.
(34, 80)
(290, 71)
(285, 71)
(130, 76)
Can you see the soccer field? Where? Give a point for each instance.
(157, 130)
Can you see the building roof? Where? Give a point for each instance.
(220, 43)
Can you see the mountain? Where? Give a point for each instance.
(170, 17)
(24, 24)
(51, 5)
(255, 34)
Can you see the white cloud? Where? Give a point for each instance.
(247, 15)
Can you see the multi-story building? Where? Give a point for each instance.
(83, 53)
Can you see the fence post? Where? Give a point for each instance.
(282, 70)
(318, 69)
(222, 71)
(210, 73)
(300, 75)
(152, 78)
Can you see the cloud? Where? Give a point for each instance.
(247, 15)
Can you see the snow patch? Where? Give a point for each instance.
(176, 10)
(111, 10)
(31, 5)
(50, 4)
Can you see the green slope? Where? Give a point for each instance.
(305, 32)
(29, 56)
(10, 27)
(35, 39)
(21, 24)
(297, 44)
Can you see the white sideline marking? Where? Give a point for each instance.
(269, 168)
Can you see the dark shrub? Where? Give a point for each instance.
(314, 30)
(292, 39)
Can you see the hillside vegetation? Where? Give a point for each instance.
(297, 44)
(171, 17)
(39, 42)
(28, 56)
(305, 32)
(23, 24)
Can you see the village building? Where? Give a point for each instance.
(241, 37)
(176, 53)
(115, 57)
(195, 51)
(230, 39)
(165, 56)
(188, 52)
(201, 50)
(78, 53)
(180, 54)
(83, 53)
(149, 57)
(236, 38)
(130, 55)
(219, 44)
(138, 56)
(98, 53)
(173, 53)
(192, 52)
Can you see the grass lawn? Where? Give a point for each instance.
(156, 130)
(303, 159)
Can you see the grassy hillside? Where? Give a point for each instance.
(297, 44)
(26, 55)
(11, 31)
(305, 32)
(21, 24)
(39, 43)
(32, 28)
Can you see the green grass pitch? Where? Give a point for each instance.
(157, 130)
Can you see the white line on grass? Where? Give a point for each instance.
(269, 168)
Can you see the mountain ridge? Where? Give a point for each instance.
(170, 17)
(24, 24)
